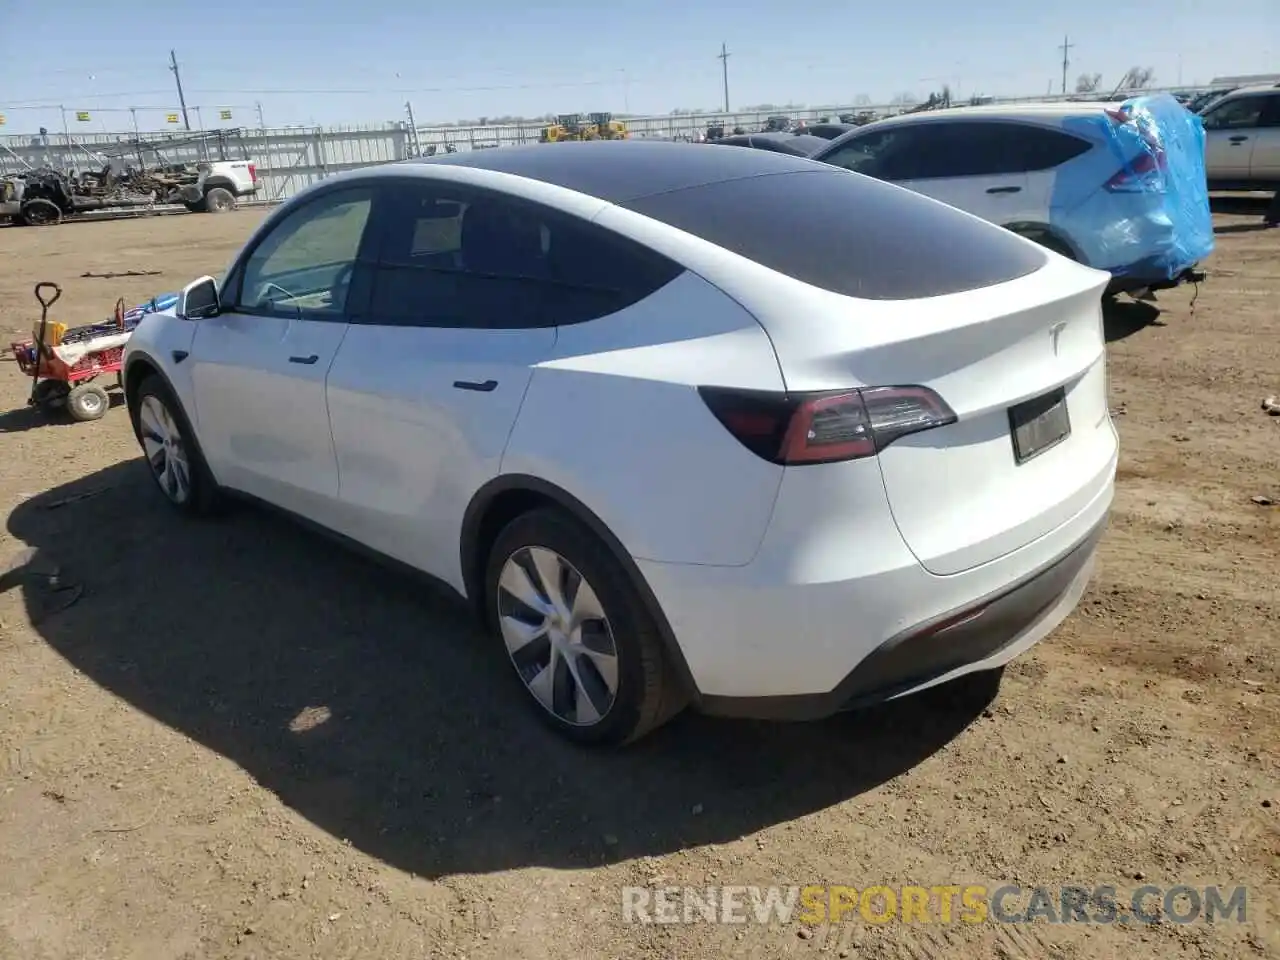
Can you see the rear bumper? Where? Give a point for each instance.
(982, 636)
(840, 613)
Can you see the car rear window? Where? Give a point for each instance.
(847, 233)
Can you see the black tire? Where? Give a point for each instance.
(1049, 242)
(219, 200)
(648, 693)
(202, 498)
(88, 401)
(196, 206)
(40, 213)
(51, 395)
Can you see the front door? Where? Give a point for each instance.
(1231, 130)
(259, 368)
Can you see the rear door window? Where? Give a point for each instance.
(848, 234)
(453, 256)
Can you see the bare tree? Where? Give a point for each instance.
(1088, 82)
(904, 99)
(1138, 78)
(862, 100)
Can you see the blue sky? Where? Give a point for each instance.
(335, 62)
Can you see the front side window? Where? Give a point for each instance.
(305, 265)
(1241, 113)
(867, 153)
(452, 256)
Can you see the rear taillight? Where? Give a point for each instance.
(824, 427)
(253, 173)
(1144, 174)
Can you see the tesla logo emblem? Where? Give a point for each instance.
(1055, 333)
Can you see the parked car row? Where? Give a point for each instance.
(686, 426)
(1057, 173)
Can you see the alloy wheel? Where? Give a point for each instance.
(558, 636)
(165, 451)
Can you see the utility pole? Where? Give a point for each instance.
(177, 77)
(257, 105)
(723, 56)
(1066, 45)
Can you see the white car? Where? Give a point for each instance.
(1045, 171)
(721, 427)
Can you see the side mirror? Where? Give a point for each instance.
(199, 300)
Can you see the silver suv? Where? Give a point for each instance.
(1242, 139)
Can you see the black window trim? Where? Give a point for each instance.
(230, 293)
(451, 189)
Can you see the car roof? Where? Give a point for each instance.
(621, 170)
(1254, 88)
(1011, 111)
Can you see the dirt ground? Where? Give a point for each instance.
(243, 742)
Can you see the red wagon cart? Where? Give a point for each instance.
(69, 367)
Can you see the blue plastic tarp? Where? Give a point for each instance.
(1152, 219)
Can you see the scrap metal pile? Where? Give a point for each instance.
(46, 195)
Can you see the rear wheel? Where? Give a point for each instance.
(1049, 242)
(219, 200)
(577, 633)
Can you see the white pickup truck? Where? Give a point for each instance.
(220, 184)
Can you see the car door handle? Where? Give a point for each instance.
(487, 387)
(307, 360)
(1004, 189)
(1239, 138)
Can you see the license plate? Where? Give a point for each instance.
(1038, 424)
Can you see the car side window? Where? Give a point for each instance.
(1237, 114)
(305, 266)
(454, 256)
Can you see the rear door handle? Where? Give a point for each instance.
(1239, 138)
(487, 386)
(1004, 189)
(308, 360)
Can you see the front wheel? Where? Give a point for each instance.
(88, 401)
(576, 631)
(172, 454)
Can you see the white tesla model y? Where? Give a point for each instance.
(720, 427)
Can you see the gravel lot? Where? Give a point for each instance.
(243, 742)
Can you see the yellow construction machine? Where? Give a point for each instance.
(568, 126)
(607, 128)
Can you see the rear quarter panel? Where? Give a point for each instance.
(614, 418)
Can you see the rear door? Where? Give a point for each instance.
(469, 290)
(1231, 131)
(964, 164)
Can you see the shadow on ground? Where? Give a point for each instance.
(1245, 205)
(371, 705)
(1123, 318)
(22, 419)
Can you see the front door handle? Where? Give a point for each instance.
(1239, 138)
(307, 360)
(1004, 190)
(487, 386)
